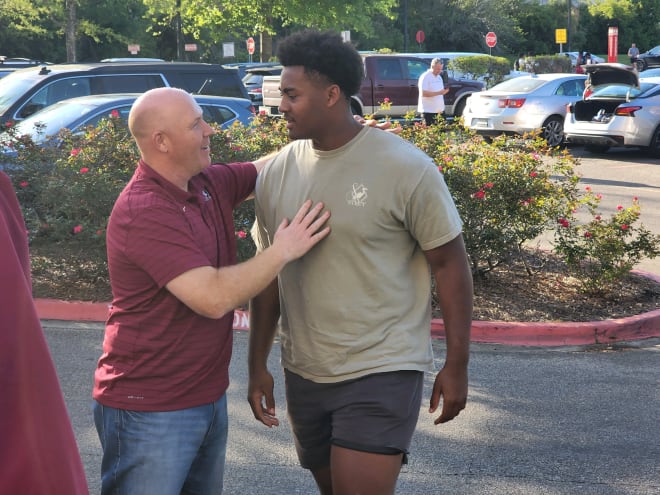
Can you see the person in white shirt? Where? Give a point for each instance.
(432, 89)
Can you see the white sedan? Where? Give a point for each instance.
(523, 105)
(623, 110)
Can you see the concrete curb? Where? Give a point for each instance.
(643, 326)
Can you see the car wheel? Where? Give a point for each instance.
(458, 109)
(553, 131)
(640, 64)
(654, 148)
(594, 148)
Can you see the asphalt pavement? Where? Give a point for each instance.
(539, 421)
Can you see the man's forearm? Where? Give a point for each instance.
(264, 315)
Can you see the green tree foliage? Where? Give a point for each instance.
(28, 29)
(35, 28)
(212, 22)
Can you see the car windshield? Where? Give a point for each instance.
(50, 120)
(14, 86)
(519, 85)
(655, 50)
(620, 90)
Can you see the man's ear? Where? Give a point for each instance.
(334, 95)
(159, 140)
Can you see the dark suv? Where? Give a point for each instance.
(26, 91)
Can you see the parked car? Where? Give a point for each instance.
(26, 91)
(19, 63)
(574, 57)
(648, 59)
(524, 104)
(623, 110)
(392, 77)
(242, 67)
(650, 72)
(254, 80)
(78, 113)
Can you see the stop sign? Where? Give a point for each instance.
(250, 45)
(491, 39)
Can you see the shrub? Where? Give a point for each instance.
(508, 192)
(602, 251)
(545, 64)
(494, 69)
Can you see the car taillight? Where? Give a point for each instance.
(626, 111)
(510, 102)
(569, 108)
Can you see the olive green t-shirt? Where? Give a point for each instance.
(360, 301)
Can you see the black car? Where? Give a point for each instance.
(243, 67)
(254, 79)
(26, 91)
(19, 63)
(648, 59)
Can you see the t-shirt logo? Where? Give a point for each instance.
(358, 195)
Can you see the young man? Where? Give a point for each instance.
(431, 102)
(161, 410)
(355, 312)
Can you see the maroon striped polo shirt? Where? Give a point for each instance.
(158, 354)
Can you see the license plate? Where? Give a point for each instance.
(480, 122)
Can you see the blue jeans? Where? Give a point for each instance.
(163, 453)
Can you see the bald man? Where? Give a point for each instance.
(160, 407)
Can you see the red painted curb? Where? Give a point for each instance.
(644, 326)
(53, 309)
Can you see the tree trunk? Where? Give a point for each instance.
(265, 47)
(70, 30)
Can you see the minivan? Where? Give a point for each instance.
(26, 91)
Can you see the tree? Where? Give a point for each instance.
(70, 30)
(212, 22)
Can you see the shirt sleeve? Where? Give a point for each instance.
(234, 179)
(431, 216)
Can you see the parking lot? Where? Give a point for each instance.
(540, 421)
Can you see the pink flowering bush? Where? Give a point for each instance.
(603, 250)
(72, 187)
(508, 192)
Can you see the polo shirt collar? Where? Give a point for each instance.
(148, 173)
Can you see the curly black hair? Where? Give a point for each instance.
(324, 53)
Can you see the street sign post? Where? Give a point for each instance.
(491, 40)
(561, 36)
(250, 46)
(419, 37)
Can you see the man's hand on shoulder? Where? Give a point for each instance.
(386, 125)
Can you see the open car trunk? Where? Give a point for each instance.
(595, 110)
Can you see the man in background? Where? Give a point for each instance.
(431, 102)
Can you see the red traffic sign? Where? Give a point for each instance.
(491, 39)
(419, 37)
(250, 45)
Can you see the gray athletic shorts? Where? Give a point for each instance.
(375, 413)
